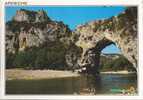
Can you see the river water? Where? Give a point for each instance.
(81, 85)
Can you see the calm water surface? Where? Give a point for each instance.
(77, 85)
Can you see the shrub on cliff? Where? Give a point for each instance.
(49, 56)
(24, 59)
(9, 60)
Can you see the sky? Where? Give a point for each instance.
(74, 15)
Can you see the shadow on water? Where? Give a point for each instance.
(92, 84)
(82, 85)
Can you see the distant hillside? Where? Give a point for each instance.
(110, 62)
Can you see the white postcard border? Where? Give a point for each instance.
(138, 3)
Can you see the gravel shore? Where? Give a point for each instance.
(37, 74)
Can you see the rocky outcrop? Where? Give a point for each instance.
(25, 32)
(30, 29)
(120, 30)
(31, 16)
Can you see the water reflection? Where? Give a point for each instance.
(83, 85)
(92, 85)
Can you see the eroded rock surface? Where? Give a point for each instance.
(31, 16)
(120, 30)
(27, 29)
(32, 29)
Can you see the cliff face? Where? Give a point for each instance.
(31, 16)
(120, 30)
(30, 29)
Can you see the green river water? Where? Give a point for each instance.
(73, 85)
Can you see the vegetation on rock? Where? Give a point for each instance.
(52, 45)
(117, 64)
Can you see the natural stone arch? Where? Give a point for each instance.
(96, 35)
(91, 57)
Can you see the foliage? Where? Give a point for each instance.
(44, 57)
(120, 63)
(9, 60)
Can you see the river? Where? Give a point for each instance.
(81, 85)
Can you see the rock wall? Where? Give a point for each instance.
(31, 29)
(120, 30)
(24, 32)
(31, 16)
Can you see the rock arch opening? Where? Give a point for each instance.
(92, 59)
(120, 30)
(111, 59)
(111, 49)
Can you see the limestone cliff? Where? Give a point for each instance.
(27, 29)
(30, 29)
(31, 16)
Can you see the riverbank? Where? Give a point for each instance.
(12, 74)
(118, 72)
(18, 74)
